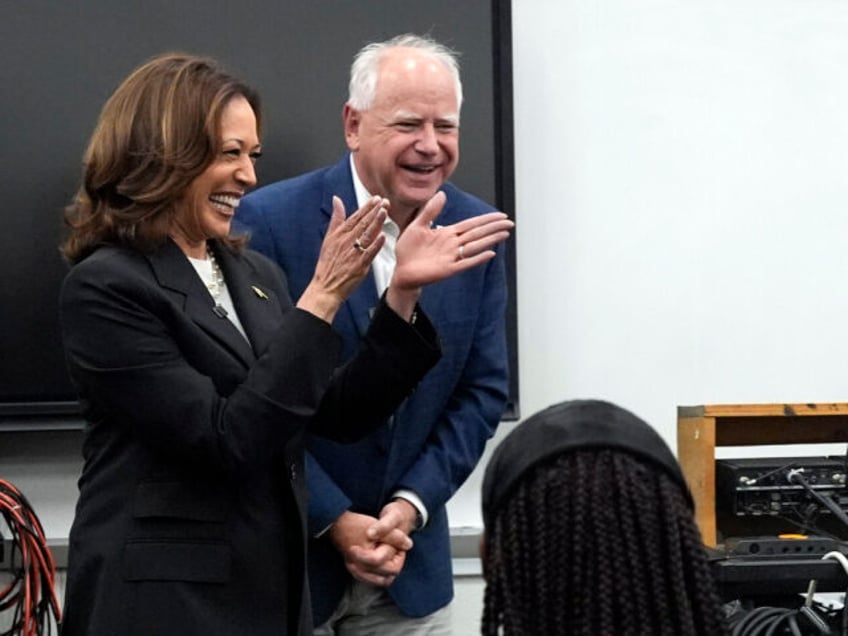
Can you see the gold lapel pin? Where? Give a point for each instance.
(259, 292)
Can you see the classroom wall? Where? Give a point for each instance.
(681, 184)
(681, 190)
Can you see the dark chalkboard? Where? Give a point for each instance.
(61, 61)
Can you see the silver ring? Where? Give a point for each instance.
(461, 252)
(358, 245)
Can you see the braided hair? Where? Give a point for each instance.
(593, 541)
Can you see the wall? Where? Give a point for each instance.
(681, 185)
(682, 188)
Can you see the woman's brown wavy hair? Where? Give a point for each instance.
(158, 131)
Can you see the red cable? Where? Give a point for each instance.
(31, 593)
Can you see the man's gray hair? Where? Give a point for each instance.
(364, 70)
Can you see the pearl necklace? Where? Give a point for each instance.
(216, 285)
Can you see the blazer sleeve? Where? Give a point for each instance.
(128, 362)
(327, 501)
(128, 350)
(392, 358)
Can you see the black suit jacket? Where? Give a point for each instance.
(190, 518)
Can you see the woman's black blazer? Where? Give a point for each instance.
(190, 518)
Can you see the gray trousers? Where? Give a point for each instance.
(366, 610)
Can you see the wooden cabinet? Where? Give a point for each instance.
(700, 429)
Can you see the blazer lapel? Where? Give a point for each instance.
(361, 303)
(258, 315)
(176, 274)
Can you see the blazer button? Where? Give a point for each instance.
(293, 471)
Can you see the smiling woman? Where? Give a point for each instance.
(152, 153)
(215, 194)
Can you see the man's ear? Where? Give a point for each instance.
(352, 120)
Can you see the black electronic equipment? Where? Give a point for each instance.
(779, 486)
(777, 567)
(785, 578)
(794, 546)
(778, 519)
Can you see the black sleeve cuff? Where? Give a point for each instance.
(386, 319)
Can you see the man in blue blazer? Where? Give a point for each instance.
(402, 128)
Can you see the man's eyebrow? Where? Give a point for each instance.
(405, 114)
(410, 116)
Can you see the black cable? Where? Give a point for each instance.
(793, 626)
(844, 631)
(812, 618)
(795, 476)
(772, 616)
(754, 619)
(807, 528)
(807, 620)
(785, 617)
(781, 469)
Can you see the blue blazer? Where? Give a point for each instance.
(434, 440)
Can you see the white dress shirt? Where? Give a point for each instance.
(383, 267)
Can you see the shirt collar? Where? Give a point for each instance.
(362, 195)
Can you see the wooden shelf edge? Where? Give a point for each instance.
(763, 410)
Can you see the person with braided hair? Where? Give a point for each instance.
(589, 529)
